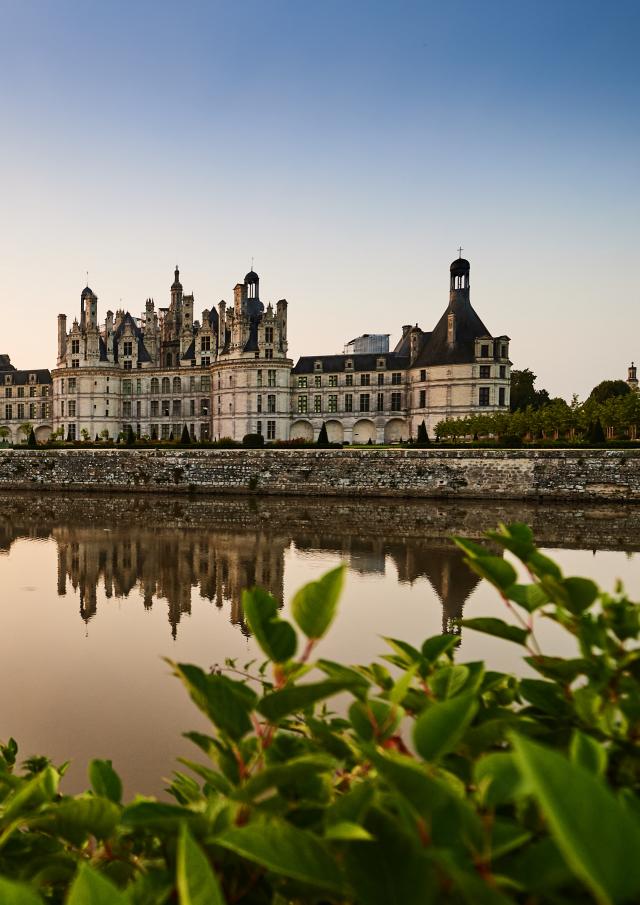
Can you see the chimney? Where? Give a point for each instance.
(62, 338)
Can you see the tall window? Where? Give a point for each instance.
(177, 408)
(396, 402)
(365, 380)
(75, 346)
(128, 348)
(258, 378)
(381, 402)
(271, 430)
(333, 404)
(484, 351)
(8, 411)
(483, 397)
(348, 380)
(317, 380)
(271, 378)
(485, 371)
(302, 381)
(317, 403)
(126, 410)
(364, 402)
(154, 408)
(166, 385)
(268, 334)
(302, 405)
(380, 380)
(423, 375)
(166, 408)
(348, 402)
(271, 403)
(72, 385)
(258, 403)
(155, 385)
(503, 371)
(501, 396)
(333, 380)
(205, 343)
(423, 399)
(126, 387)
(205, 383)
(396, 378)
(177, 385)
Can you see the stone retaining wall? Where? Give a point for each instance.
(583, 475)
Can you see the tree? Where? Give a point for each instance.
(608, 389)
(323, 436)
(423, 436)
(185, 438)
(31, 440)
(69, 437)
(84, 433)
(4, 433)
(523, 392)
(595, 433)
(25, 429)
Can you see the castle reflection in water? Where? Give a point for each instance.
(166, 565)
(163, 548)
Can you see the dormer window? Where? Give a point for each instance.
(317, 366)
(32, 378)
(8, 380)
(484, 351)
(348, 364)
(128, 348)
(380, 363)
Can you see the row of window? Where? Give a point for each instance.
(20, 411)
(165, 408)
(483, 396)
(271, 403)
(21, 394)
(365, 380)
(271, 429)
(364, 400)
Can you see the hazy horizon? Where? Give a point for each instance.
(349, 148)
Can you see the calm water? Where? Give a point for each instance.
(94, 591)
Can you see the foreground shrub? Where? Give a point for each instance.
(433, 781)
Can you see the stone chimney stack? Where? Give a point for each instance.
(62, 338)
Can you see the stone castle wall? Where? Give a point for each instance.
(581, 475)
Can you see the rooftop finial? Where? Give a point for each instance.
(460, 250)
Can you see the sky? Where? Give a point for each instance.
(348, 147)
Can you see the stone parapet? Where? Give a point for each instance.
(541, 474)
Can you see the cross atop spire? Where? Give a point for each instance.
(460, 250)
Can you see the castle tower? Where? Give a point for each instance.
(176, 290)
(88, 310)
(632, 378)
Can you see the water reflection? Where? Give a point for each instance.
(95, 590)
(164, 548)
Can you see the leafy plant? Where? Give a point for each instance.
(414, 779)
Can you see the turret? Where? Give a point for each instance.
(632, 378)
(88, 310)
(176, 289)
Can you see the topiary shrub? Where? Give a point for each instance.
(416, 779)
(254, 441)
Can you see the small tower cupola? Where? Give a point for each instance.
(460, 273)
(176, 289)
(252, 283)
(632, 378)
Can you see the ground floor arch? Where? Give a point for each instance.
(395, 430)
(42, 433)
(364, 431)
(335, 431)
(301, 430)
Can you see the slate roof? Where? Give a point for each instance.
(190, 354)
(21, 378)
(436, 349)
(143, 355)
(365, 361)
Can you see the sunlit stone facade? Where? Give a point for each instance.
(224, 375)
(228, 374)
(25, 403)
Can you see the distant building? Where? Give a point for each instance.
(368, 343)
(456, 370)
(25, 400)
(632, 377)
(226, 375)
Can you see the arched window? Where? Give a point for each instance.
(166, 385)
(177, 385)
(155, 385)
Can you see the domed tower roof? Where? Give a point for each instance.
(251, 277)
(176, 282)
(87, 293)
(460, 265)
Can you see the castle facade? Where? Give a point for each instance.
(228, 374)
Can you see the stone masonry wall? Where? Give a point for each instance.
(582, 475)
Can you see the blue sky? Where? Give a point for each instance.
(349, 147)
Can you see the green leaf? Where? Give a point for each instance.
(498, 571)
(293, 698)
(105, 781)
(156, 816)
(314, 605)
(546, 696)
(435, 647)
(581, 593)
(347, 832)
(598, 836)
(498, 779)
(226, 702)
(448, 681)
(541, 565)
(440, 726)
(91, 888)
(498, 628)
(375, 717)
(401, 687)
(529, 596)
(17, 894)
(588, 753)
(285, 850)
(196, 881)
(276, 637)
(33, 793)
(77, 818)
(283, 774)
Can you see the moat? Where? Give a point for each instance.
(95, 590)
